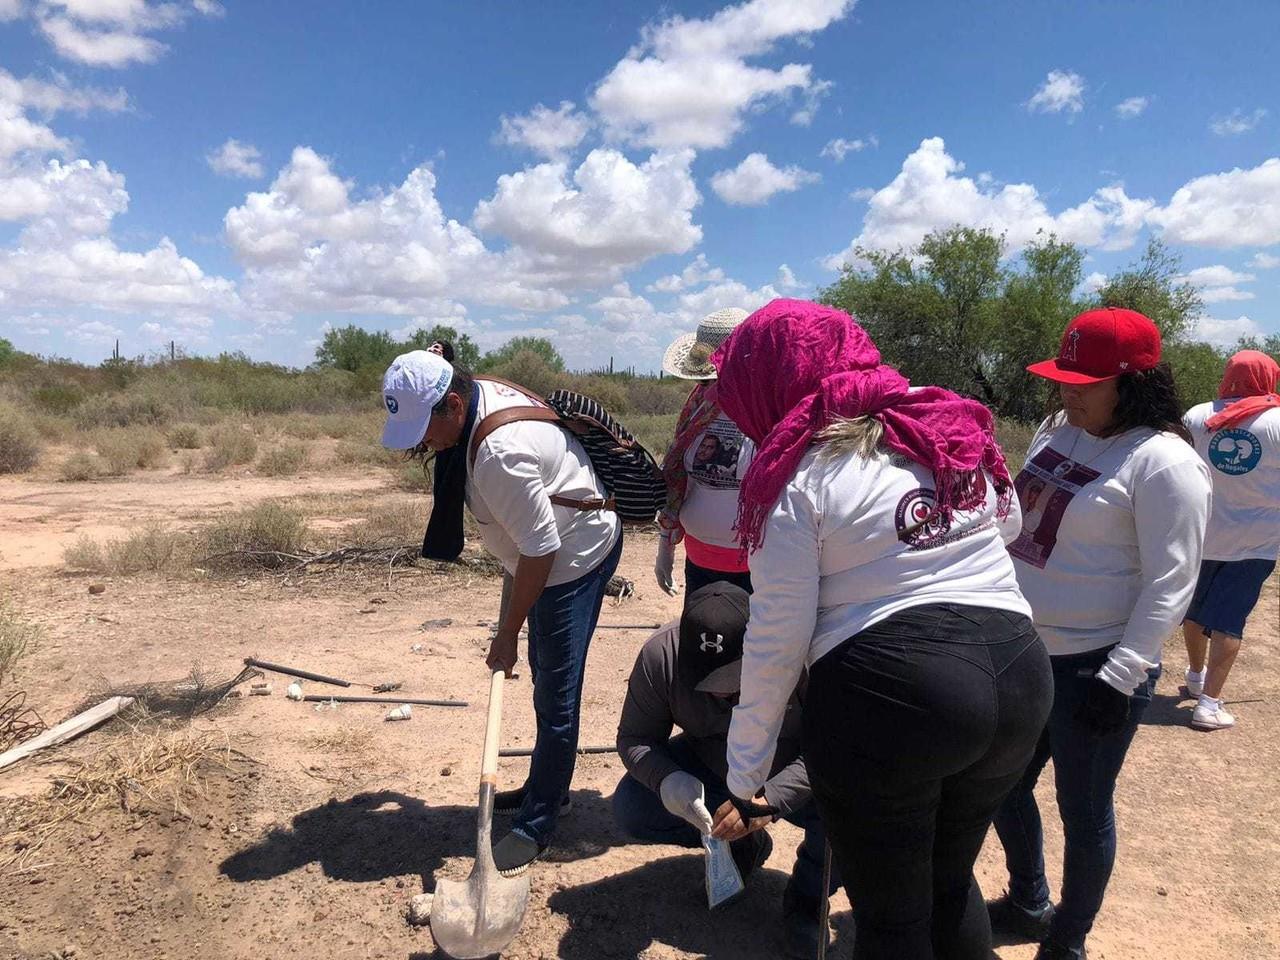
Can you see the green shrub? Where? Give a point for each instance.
(58, 398)
(646, 395)
(18, 637)
(79, 467)
(266, 528)
(123, 411)
(19, 442)
(230, 445)
(283, 460)
(301, 428)
(185, 436)
(1014, 437)
(125, 450)
(610, 394)
(85, 554)
(151, 549)
(654, 432)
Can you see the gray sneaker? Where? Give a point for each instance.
(1013, 920)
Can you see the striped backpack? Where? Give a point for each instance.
(631, 477)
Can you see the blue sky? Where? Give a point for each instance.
(237, 176)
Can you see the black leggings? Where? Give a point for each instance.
(914, 731)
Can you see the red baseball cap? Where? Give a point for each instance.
(1102, 344)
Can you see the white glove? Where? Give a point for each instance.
(665, 563)
(683, 796)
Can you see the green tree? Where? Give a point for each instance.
(465, 353)
(352, 347)
(1151, 287)
(7, 351)
(1270, 345)
(540, 346)
(1197, 369)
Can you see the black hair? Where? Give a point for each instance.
(446, 349)
(463, 384)
(1147, 398)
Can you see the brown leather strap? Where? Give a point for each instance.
(591, 503)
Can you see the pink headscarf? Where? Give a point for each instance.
(793, 366)
(1251, 375)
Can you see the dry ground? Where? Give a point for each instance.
(315, 847)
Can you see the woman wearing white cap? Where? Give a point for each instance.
(530, 485)
(703, 468)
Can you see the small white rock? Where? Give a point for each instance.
(420, 909)
(402, 712)
(294, 692)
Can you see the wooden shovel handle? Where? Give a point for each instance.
(492, 730)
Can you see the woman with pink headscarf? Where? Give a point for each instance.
(875, 516)
(1238, 436)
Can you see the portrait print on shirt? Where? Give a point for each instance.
(715, 456)
(1046, 485)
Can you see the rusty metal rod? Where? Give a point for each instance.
(342, 698)
(295, 672)
(528, 751)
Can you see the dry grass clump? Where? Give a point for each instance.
(301, 427)
(185, 436)
(19, 442)
(79, 467)
(352, 453)
(18, 637)
(341, 740)
(284, 460)
(339, 426)
(148, 769)
(252, 536)
(152, 549)
(386, 522)
(124, 450)
(230, 445)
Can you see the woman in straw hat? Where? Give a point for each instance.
(878, 515)
(1108, 571)
(703, 468)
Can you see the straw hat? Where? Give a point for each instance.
(689, 358)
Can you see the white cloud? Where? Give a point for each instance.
(840, 148)
(1239, 208)
(1218, 284)
(1061, 91)
(930, 194)
(813, 97)
(1225, 332)
(688, 83)
(112, 33)
(1264, 261)
(585, 227)
(10, 10)
(1237, 122)
(236, 159)
(755, 180)
(549, 133)
(1093, 282)
(1132, 107)
(695, 274)
(94, 331)
(787, 279)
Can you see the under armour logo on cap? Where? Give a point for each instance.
(712, 646)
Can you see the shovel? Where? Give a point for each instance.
(480, 917)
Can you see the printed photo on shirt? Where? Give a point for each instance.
(715, 456)
(1046, 486)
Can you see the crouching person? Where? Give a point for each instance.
(687, 675)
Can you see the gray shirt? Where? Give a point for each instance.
(658, 700)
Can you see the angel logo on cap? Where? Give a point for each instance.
(1069, 345)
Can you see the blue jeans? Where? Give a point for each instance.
(1086, 767)
(641, 815)
(560, 627)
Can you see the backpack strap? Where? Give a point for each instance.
(544, 414)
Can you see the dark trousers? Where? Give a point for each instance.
(696, 576)
(914, 731)
(1085, 767)
(639, 812)
(560, 627)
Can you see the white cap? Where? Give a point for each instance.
(413, 384)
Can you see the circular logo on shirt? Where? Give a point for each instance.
(393, 406)
(916, 518)
(1234, 451)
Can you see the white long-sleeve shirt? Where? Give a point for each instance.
(1114, 559)
(843, 550)
(517, 469)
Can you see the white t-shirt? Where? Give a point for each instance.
(518, 467)
(1244, 465)
(848, 544)
(716, 462)
(1113, 555)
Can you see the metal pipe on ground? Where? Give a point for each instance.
(295, 672)
(528, 751)
(342, 698)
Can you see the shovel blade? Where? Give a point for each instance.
(479, 917)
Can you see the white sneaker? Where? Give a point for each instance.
(1210, 714)
(1195, 687)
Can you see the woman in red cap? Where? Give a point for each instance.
(1108, 570)
(1238, 436)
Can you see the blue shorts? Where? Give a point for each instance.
(1226, 593)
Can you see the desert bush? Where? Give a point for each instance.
(80, 466)
(284, 460)
(654, 432)
(610, 394)
(54, 429)
(185, 436)
(265, 528)
(18, 637)
(125, 450)
(301, 427)
(123, 411)
(19, 442)
(153, 548)
(58, 398)
(355, 452)
(648, 396)
(230, 445)
(532, 371)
